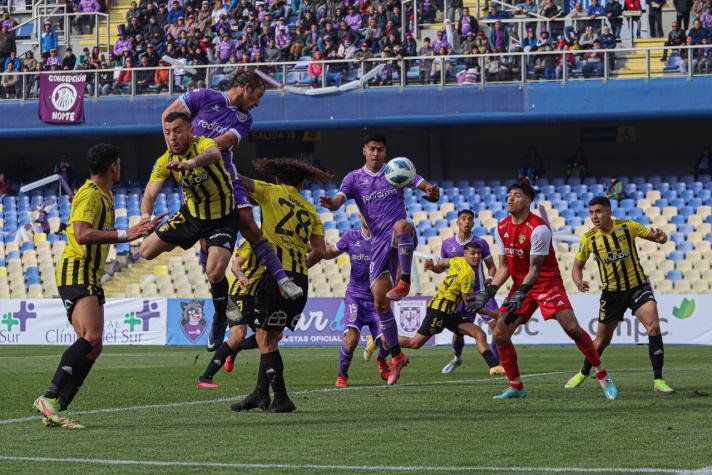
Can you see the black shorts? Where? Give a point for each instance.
(246, 304)
(184, 230)
(274, 312)
(70, 294)
(436, 321)
(614, 304)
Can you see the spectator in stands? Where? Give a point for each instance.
(315, 69)
(676, 37)
(595, 11)
(706, 17)
(133, 12)
(63, 168)
(544, 39)
(468, 43)
(576, 15)
(85, 23)
(551, 11)
(123, 81)
(7, 44)
(4, 185)
(697, 32)
(705, 63)
(693, 54)
(634, 11)
(440, 66)
(703, 166)
(16, 62)
(655, 17)
(298, 43)
(144, 77)
(467, 24)
(10, 81)
(533, 165)
(135, 28)
(683, 8)
(7, 21)
(530, 42)
(616, 190)
(175, 12)
(428, 10)
(161, 77)
(69, 60)
(614, 13)
(29, 63)
(53, 60)
(587, 39)
(162, 15)
(499, 37)
(273, 54)
(453, 6)
(577, 164)
(48, 39)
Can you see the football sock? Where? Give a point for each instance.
(490, 359)
(218, 360)
(586, 369)
(382, 350)
(585, 345)
(495, 352)
(262, 387)
(508, 357)
(274, 369)
(247, 344)
(390, 331)
(267, 257)
(405, 255)
(219, 292)
(458, 343)
(71, 388)
(70, 361)
(657, 355)
(345, 357)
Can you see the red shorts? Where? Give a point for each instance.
(551, 298)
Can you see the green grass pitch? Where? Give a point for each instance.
(151, 418)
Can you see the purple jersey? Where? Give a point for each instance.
(452, 247)
(380, 203)
(358, 247)
(211, 116)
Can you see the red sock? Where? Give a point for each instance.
(585, 344)
(508, 358)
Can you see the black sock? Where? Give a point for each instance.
(218, 360)
(586, 369)
(657, 355)
(405, 278)
(274, 368)
(248, 344)
(71, 388)
(71, 360)
(262, 380)
(395, 350)
(490, 358)
(219, 292)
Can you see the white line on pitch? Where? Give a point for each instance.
(348, 468)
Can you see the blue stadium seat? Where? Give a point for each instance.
(428, 233)
(330, 225)
(441, 223)
(694, 203)
(670, 194)
(343, 226)
(582, 213)
(28, 246)
(630, 188)
(578, 189)
(661, 203)
(687, 178)
(635, 213)
(678, 187)
(655, 179)
(662, 186)
(644, 220)
(677, 202)
(678, 220)
(674, 275)
(645, 187)
(500, 215)
(685, 247)
(567, 214)
(620, 213)
(638, 180)
(590, 181)
(670, 178)
(480, 231)
(627, 204)
(677, 237)
(685, 229)
(462, 184)
(687, 195)
(686, 211)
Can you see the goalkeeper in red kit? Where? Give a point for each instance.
(527, 255)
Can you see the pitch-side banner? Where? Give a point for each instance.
(62, 98)
(321, 324)
(44, 322)
(684, 319)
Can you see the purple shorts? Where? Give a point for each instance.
(384, 258)
(472, 316)
(360, 312)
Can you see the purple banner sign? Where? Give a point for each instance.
(62, 98)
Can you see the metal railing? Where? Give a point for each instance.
(532, 67)
(67, 21)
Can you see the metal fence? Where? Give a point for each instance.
(444, 71)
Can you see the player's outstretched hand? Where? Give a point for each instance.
(328, 203)
(432, 193)
(514, 302)
(659, 235)
(429, 265)
(477, 303)
(180, 166)
(144, 228)
(582, 286)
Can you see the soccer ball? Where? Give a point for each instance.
(400, 172)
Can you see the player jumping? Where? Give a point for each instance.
(225, 117)
(393, 237)
(89, 232)
(443, 309)
(358, 300)
(455, 247)
(625, 286)
(527, 255)
(293, 226)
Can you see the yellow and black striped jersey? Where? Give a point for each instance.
(616, 254)
(288, 222)
(83, 264)
(252, 269)
(459, 281)
(208, 191)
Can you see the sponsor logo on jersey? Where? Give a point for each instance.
(614, 256)
(380, 194)
(513, 251)
(212, 126)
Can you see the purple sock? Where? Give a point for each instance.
(405, 253)
(382, 350)
(266, 256)
(494, 350)
(390, 331)
(458, 343)
(345, 361)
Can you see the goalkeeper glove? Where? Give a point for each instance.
(480, 300)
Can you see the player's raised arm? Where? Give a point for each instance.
(656, 235)
(579, 263)
(332, 252)
(247, 182)
(207, 157)
(176, 106)
(437, 267)
(237, 264)
(85, 234)
(332, 204)
(150, 194)
(432, 192)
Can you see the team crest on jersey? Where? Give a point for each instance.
(241, 116)
(522, 238)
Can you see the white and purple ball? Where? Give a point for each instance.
(400, 172)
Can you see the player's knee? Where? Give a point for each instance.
(146, 252)
(653, 329)
(96, 343)
(500, 338)
(402, 227)
(215, 274)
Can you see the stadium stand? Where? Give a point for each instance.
(680, 205)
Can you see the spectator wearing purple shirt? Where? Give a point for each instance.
(353, 19)
(7, 21)
(122, 43)
(467, 24)
(226, 47)
(53, 59)
(86, 22)
(441, 42)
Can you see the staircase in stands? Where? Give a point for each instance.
(134, 273)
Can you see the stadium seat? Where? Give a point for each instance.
(674, 275)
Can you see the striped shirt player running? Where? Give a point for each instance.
(247, 272)
(225, 117)
(209, 211)
(455, 247)
(393, 236)
(527, 255)
(625, 285)
(293, 227)
(444, 309)
(90, 231)
(358, 301)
